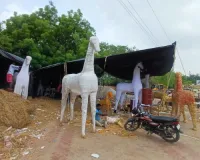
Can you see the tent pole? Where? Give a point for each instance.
(65, 68)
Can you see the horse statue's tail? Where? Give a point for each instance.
(68, 100)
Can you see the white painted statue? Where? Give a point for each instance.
(135, 86)
(85, 84)
(129, 97)
(22, 82)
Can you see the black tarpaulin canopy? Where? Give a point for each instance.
(157, 62)
(11, 57)
(76, 66)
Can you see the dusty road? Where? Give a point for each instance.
(65, 143)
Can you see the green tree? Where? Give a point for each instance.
(47, 37)
(192, 78)
(109, 49)
(165, 79)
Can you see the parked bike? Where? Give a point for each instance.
(166, 127)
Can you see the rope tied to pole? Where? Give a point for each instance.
(171, 72)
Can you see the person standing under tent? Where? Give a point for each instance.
(9, 76)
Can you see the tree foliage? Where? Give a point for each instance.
(169, 79)
(110, 80)
(50, 38)
(109, 49)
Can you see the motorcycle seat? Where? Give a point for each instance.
(162, 119)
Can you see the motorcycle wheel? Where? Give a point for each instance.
(171, 135)
(132, 124)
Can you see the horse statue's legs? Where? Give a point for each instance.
(118, 95)
(122, 98)
(84, 96)
(137, 96)
(72, 101)
(93, 109)
(65, 93)
(140, 97)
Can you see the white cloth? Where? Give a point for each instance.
(22, 82)
(12, 69)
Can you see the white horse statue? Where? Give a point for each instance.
(129, 97)
(135, 86)
(84, 84)
(22, 81)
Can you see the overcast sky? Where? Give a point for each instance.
(180, 19)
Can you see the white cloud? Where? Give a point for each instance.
(13, 7)
(9, 10)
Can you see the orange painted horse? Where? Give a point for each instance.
(180, 98)
(107, 102)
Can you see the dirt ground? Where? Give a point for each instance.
(50, 141)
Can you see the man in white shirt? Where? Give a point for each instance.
(11, 70)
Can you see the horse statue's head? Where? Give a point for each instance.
(28, 60)
(178, 75)
(140, 66)
(94, 41)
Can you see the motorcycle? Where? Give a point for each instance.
(166, 127)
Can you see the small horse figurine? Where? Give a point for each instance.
(135, 86)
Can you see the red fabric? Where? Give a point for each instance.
(9, 78)
(59, 88)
